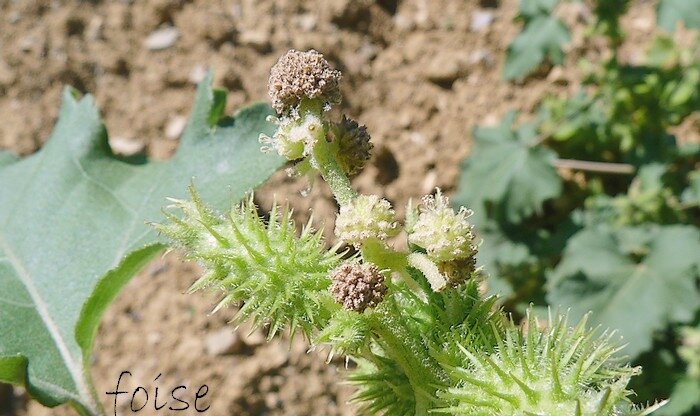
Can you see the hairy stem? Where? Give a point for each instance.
(323, 159)
(378, 253)
(413, 358)
(421, 262)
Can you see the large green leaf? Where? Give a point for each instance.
(73, 231)
(670, 12)
(635, 280)
(684, 398)
(6, 158)
(500, 256)
(506, 168)
(542, 38)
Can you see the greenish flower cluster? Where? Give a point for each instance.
(424, 336)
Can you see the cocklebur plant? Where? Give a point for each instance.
(423, 335)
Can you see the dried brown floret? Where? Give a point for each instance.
(354, 146)
(358, 286)
(458, 271)
(298, 75)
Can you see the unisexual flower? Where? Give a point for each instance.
(364, 218)
(353, 144)
(358, 286)
(298, 75)
(444, 234)
(295, 136)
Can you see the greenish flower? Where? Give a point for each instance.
(295, 136)
(366, 217)
(444, 234)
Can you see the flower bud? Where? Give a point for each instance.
(358, 286)
(354, 147)
(444, 234)
(458, 271)
(365, 217)
(295, 135)
(298, 75)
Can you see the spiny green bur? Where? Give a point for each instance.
(281, 277)
(559, 371)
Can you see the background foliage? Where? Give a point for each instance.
(618, 236)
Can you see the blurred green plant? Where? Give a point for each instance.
(542, 38)
(595, 203)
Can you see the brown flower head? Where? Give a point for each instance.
(298, 75)
(354, 147)
(357, 286)
(458, 271)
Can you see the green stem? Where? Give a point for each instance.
(323, 159)
(377, 252)
(429, 269)
(410, 354)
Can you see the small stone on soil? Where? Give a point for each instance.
(481, 56)
(95, 29)
(126, 146)
(175, 127)
(429, 182)
(162, 38)
(7, 76)
(197, 74)
(445, 67)
(557, 76)
(256, 39)
(404, 22)
(307, 22)
(481, 20)
(222, 342)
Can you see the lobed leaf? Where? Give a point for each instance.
(72, 232)
(635, 288)
(542, 38)
(670, 12)
(508, 170)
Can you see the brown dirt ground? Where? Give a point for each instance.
(414, 72)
